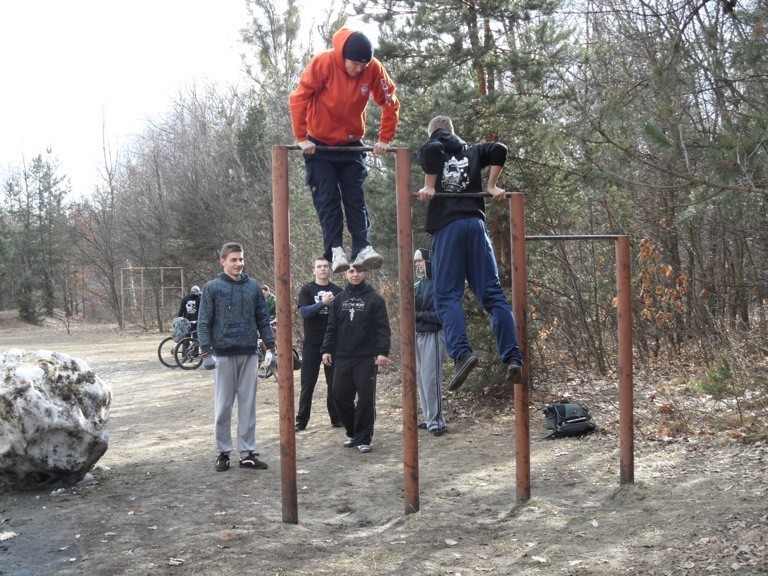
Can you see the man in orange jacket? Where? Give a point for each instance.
(328, 109)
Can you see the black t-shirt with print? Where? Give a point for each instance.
(311, 294)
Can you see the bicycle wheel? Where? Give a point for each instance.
(296, 359)
(165, 352)
(187, 353)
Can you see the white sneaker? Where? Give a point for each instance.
(364, 448)
(349, 442)
(340, 262)
(367, 259)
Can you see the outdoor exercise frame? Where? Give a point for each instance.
(404, 197)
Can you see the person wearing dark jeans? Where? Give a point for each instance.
(328, 109)
(315, 300)
(462, 251)
(356, 343)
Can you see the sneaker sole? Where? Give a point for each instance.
(459, 377)
(261, 466)
(341, 268)
(369, 264)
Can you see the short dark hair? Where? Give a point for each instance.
(265, 287)
(230, 247)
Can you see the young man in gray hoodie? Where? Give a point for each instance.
(233, 312)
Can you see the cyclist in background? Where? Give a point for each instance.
(190, 306)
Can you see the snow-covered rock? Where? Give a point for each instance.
(53, 416)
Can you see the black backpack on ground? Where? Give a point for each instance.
(568, 419)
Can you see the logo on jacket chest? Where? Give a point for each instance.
(352, 306)
(365, 89)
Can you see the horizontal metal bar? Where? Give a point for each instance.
(464, 194)
(578, 237)
(344, 148)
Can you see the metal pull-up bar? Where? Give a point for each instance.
(281, 213)
(404, 197)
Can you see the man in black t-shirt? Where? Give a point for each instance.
(314, 300)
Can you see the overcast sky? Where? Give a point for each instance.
(67, 64)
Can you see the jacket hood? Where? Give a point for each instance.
(451, 143)
(226, 278)
(339, 39)
(360, 288)
(426, 255)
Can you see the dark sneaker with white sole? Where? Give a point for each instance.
(251, 461)
(464, 366)
(222, 462)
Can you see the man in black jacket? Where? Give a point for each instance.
(462, 250)
(315, 301)
(190, 306)
(356, 343)
(430, 346)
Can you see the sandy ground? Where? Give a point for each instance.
(155, 505)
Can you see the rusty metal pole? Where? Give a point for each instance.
(282, 239)
(407, 330)
(624, 313)
(520, 303)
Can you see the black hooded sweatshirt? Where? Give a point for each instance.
(459, 169)
(358, 325)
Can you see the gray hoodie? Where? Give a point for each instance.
(232, 314)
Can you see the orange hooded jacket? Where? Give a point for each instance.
(329, 104)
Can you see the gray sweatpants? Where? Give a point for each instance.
(430, 354)
(235, 377)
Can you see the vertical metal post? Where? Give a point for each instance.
(407, 330)
(520, 304)
(282, 239)
(624, 313)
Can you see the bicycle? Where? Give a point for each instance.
(187, 353)
(166, 352)
(265, 370)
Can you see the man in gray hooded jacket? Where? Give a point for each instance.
(233, 313)
(430, 346)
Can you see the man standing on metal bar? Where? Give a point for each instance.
(462, 249)
(328, 109)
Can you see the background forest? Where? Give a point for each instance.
(645, 118)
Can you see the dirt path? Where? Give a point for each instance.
(156, 506)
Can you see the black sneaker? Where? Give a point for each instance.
(222, 462)
(300, 426)
(251, 461)
(436, 432)
(464, 366)
(514, 372)
(422, 426)
(336, 423)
